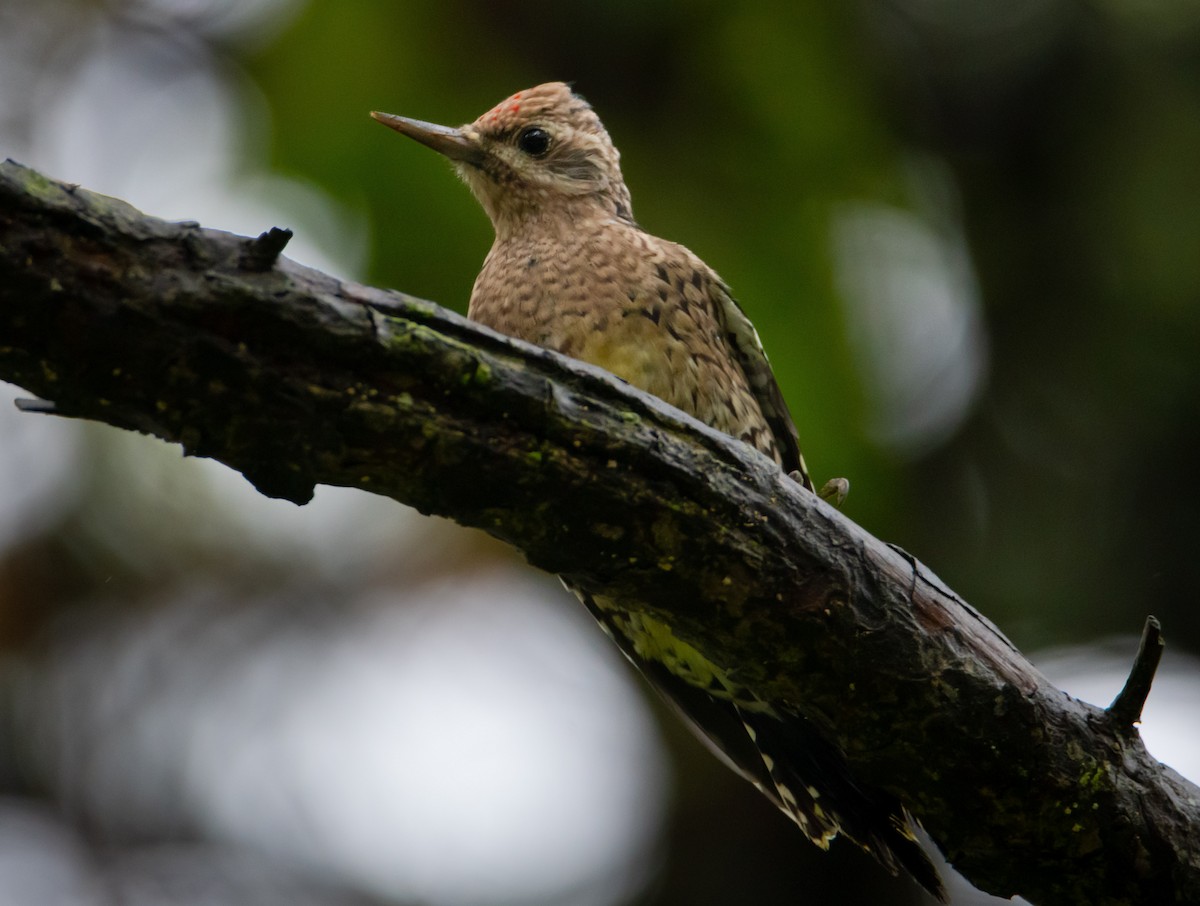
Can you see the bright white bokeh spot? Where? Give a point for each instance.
(42, 862)
(913, 318)
(468, 751)
(474, 743)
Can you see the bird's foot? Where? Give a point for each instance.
(834, 491)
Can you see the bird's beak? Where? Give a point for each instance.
(444, 140)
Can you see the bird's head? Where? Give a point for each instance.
(539, 151)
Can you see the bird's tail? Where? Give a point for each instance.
(908, 852)
(813, 787)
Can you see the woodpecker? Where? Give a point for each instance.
(571, 270)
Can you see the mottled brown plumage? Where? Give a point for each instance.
(571, 270)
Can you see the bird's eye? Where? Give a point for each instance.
(534, 141)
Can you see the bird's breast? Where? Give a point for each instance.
(613, 301)
(583, 300)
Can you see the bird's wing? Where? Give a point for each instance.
(748, 348)
(717, 722)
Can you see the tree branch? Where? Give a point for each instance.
(294, 378)
(1126, 708)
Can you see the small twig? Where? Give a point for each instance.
(1126, 708)
(42, 407)
(261, 253)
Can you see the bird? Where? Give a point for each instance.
(570, 269)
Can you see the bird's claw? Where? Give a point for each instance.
(834, 491)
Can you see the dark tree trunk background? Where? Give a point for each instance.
(293, 378)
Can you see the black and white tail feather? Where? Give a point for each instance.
(779, 751)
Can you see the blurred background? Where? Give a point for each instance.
(969, 234)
